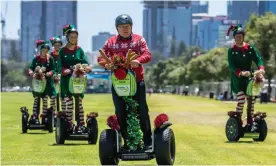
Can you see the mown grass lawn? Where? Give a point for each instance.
(198, 124)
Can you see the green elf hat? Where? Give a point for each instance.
(236, 29)
(39, 43)
(51, 39)
(55, 39)
(67, 28)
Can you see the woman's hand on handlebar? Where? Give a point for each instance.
(31, 73)
(261, 71)
(67, 71)
(245, 73)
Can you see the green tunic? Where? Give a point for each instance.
(240, 59)
(55, 57)
(50, 67)
(66, 60)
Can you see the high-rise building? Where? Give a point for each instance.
(200, 6)
(59, 13)
(208, 31)
(241, 10)
(9, 48)
(164, 21)
(99, 40)
(267, 6)
(42, 20)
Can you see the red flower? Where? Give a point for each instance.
(112, 122)
(120, 73)
(160, 119)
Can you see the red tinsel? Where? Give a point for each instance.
(160, 119)
(112, 122)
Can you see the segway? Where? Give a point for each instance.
(110, 143)
(33, 123)
(256, 127)
(63, 132)
(57, 88)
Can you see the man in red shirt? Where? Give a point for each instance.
(120, 44)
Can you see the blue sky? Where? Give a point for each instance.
(96, 16)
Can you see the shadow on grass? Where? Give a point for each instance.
(245, 142)
(34, 133)
(69, 144)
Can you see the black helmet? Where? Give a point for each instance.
(123, 19)
(236, 29)
(239, 31)
(45, 46)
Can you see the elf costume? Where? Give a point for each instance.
(49, 64)
(66, 60)
(54, 54)
(239, 60)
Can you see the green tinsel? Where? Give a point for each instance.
(134, 138)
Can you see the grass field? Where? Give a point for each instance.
(198, 124)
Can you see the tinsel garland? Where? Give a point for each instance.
(134, 138)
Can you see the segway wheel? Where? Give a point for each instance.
(50, 121)
(24, 123)
(107, 148)
(60, 131)
(92, 131)
(164, 146)
(233, 129)
(262, 130)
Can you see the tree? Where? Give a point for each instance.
(181, 48)
(211, 66)
(156, 57)
(15, 78)
(173, 49)
(15, 55)
(191, 53)
(4, 72)
(261, 32)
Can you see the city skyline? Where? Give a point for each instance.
(92, 27)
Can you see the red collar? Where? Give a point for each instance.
(243, 49)
(68, 51)
(53, 53)
(43, 60)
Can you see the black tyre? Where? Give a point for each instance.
(50, 121)
(263, 131)
(60, 131)
(233, 129)
(24, 123)
(164, 146)
(55, 121)
(92, 131)
(107, 148)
